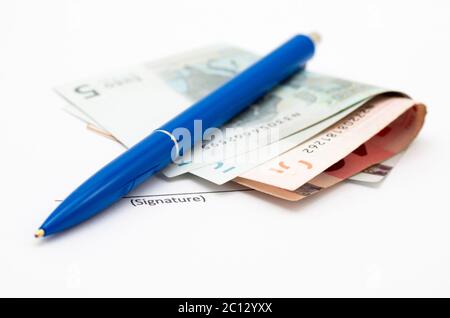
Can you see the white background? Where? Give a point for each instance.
(352, 240)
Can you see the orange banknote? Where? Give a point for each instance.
(404, 119)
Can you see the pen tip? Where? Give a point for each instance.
(39, 233)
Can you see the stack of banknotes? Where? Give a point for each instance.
(310, 133)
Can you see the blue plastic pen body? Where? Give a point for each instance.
(153, 153)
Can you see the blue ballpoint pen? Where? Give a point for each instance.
(153, 153)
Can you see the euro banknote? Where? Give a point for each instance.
(121, 105)
(147, 95)
(385, 126)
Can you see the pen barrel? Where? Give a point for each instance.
(111, 183)
(245, 88)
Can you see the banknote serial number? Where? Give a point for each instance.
(337, 130)
(87, 91)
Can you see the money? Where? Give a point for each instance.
(299, 165)
(318, 119)
(146, 95)
(372, 174)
